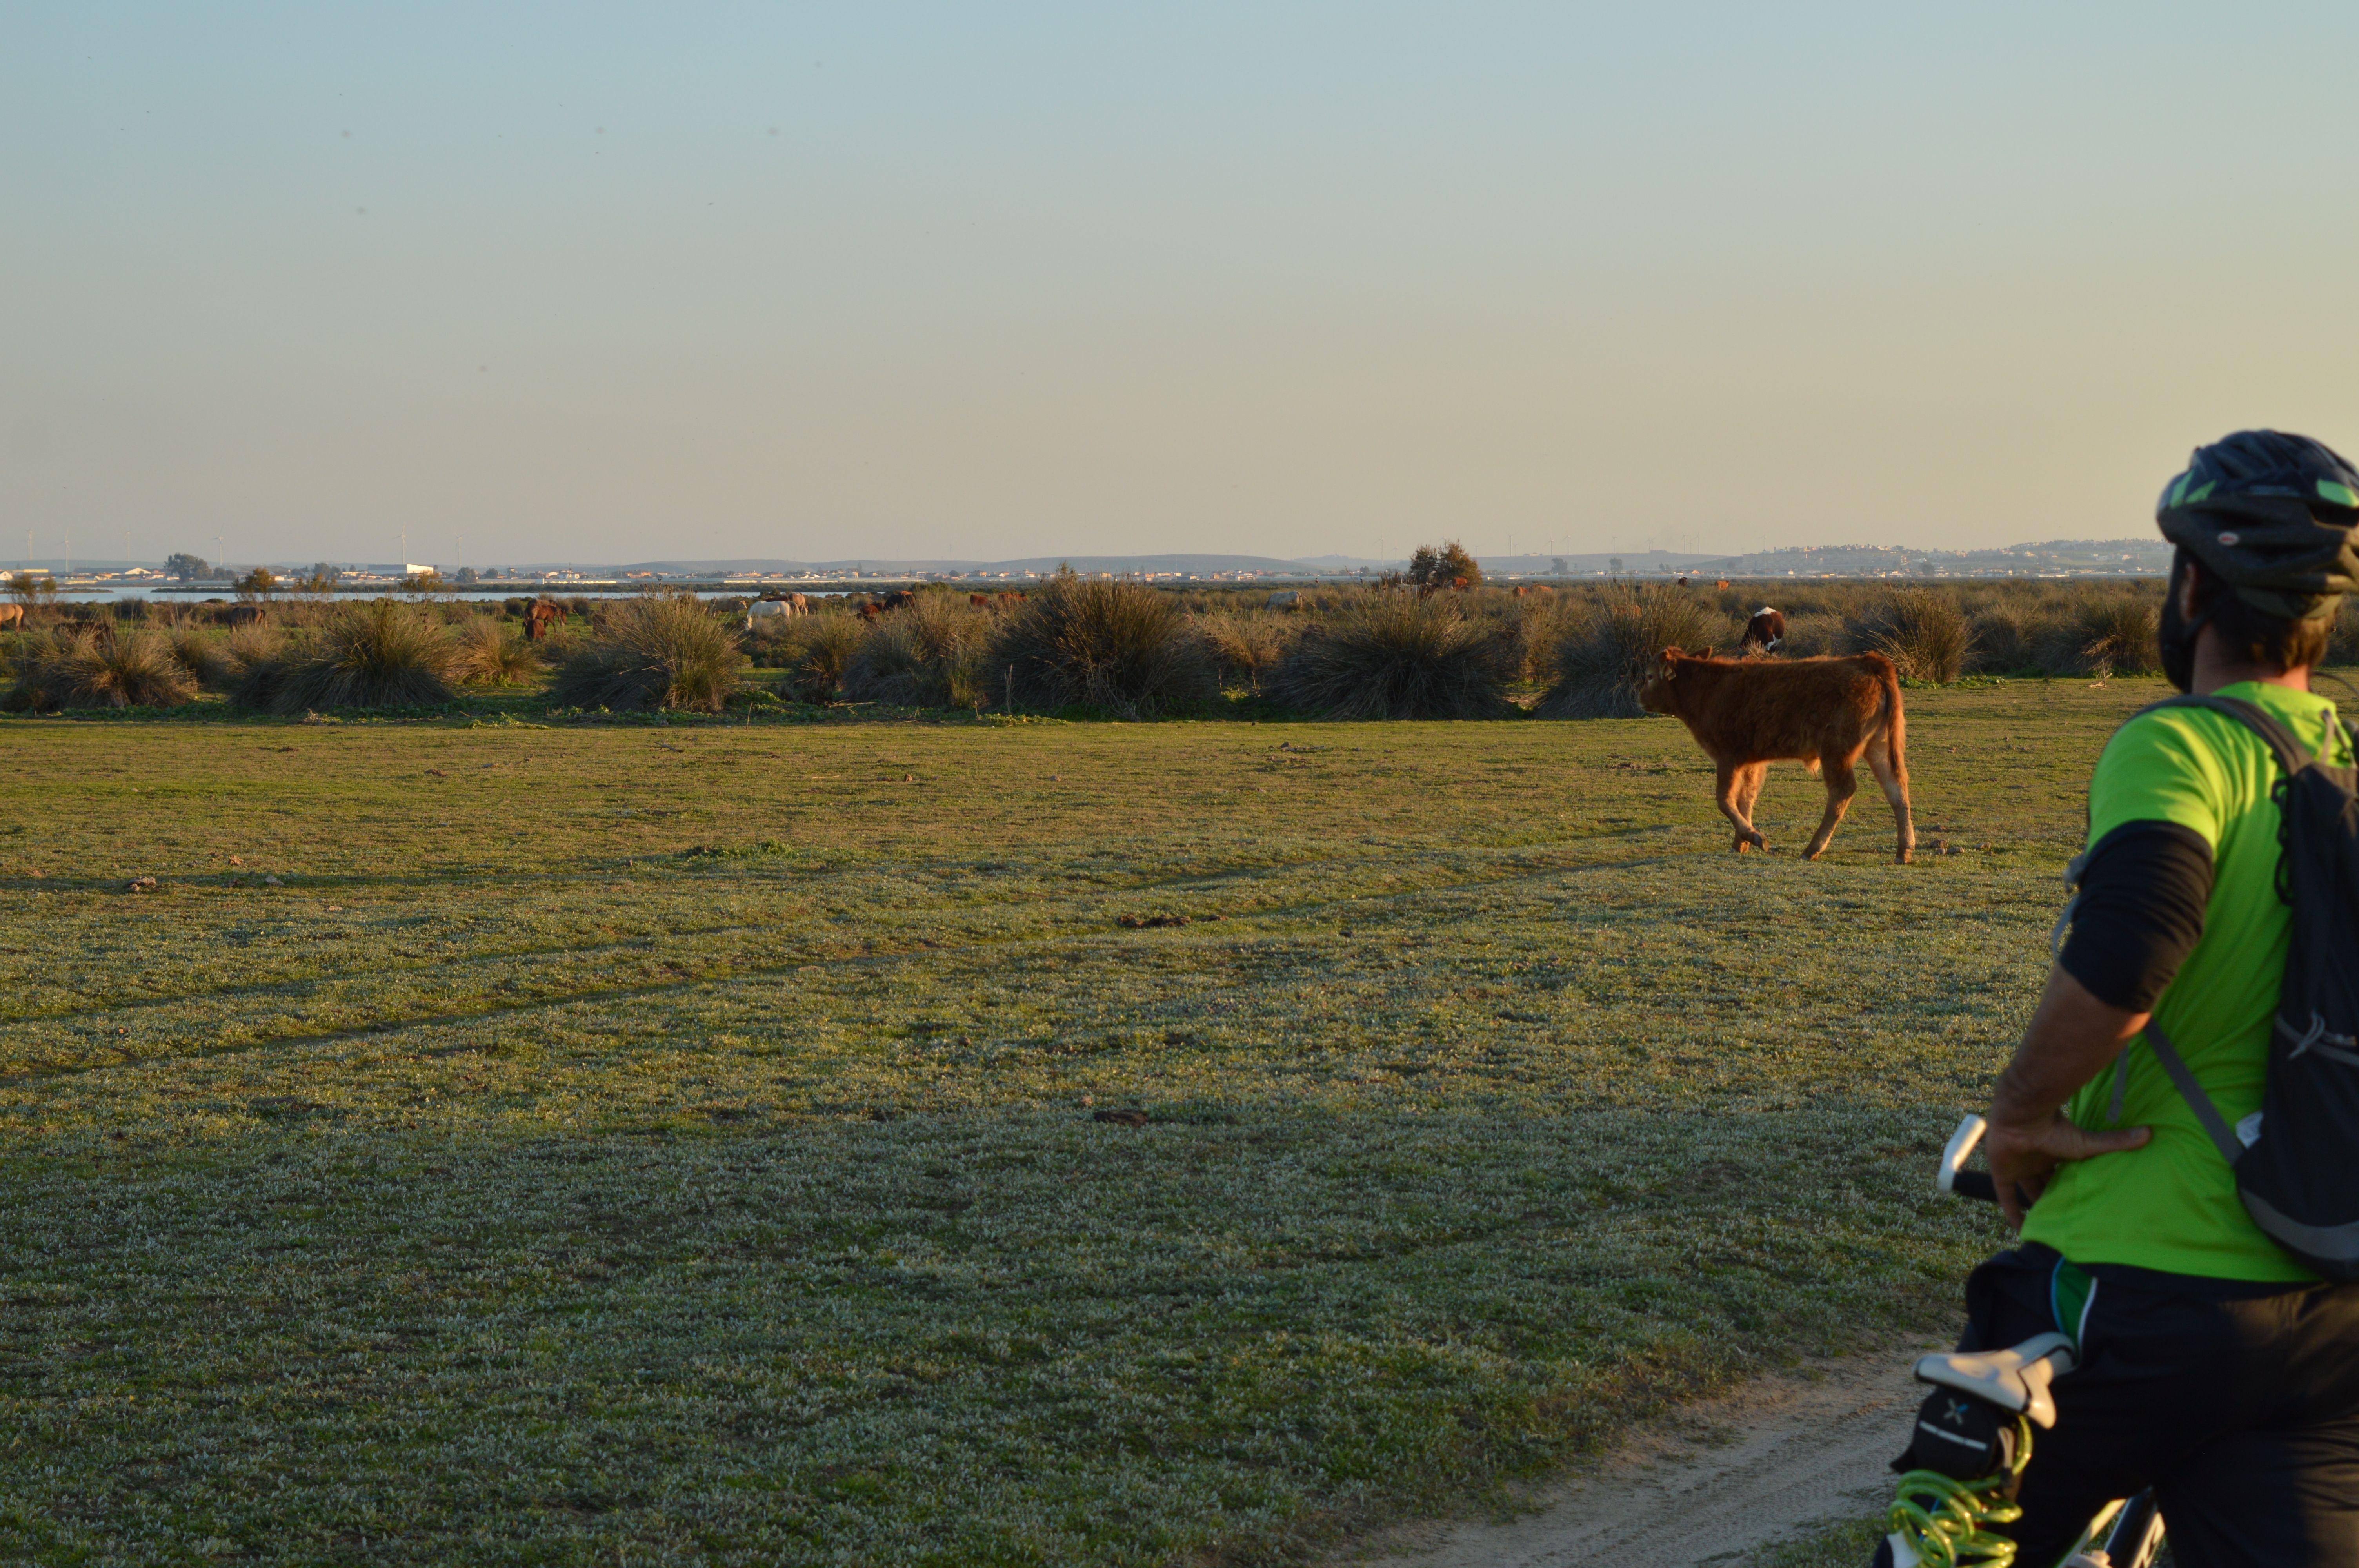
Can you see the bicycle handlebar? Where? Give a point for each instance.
(1952, 1179)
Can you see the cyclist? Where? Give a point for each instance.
(2213, 1367)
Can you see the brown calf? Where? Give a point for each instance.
(1765, 631)
(541, 620)
(1824, 713)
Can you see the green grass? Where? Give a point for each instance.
(676, 1143)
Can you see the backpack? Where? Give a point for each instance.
(2294, 1160)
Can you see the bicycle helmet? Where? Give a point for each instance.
(2273, 516)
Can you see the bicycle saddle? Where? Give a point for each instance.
(2014, 1380)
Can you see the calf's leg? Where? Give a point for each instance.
(1748, 787)
(1842, 783)
(1892, 778)
(1736, 808)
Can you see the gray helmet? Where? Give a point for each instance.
(2271, 515)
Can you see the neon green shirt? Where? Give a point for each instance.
(2172, 1204)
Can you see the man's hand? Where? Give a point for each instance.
(2024, 1155)
(2072, 1038)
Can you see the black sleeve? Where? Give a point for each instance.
(2141, 909)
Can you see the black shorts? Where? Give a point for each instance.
(2238, 1404)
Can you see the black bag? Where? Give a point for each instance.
(2297, 1162)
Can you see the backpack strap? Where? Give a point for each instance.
(2183, 1077)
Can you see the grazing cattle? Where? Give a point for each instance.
(773, 609)
(1285, 601)
(1824, 713)
(243, 615)
(980, 600)
(900, 598)
(871, 610)
(1765, 631)
(1011, 596)
(11, 615)
(542, 618)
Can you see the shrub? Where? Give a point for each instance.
(924, 654)
(95, 669)
(1248, 644)
(1924, 634)
(1443, 566)
(1115, 645)
(1393, 654)
(378, 654)
(1814, 636)
(2119, 636)
(659, 651)
(204, 656)
(1602, 662)
(815, 650)
(485, 652)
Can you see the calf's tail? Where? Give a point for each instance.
(1896, 727)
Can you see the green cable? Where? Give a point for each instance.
(1943, 1518)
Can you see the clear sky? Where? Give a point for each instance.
(606, 282)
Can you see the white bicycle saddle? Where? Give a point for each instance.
(2015, 1378)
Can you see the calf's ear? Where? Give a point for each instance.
(1705, 654)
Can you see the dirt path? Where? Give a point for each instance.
(1710, 1483)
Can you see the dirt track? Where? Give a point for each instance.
(1709, 1484)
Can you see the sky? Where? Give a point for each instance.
(467, 284)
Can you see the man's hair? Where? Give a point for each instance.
(2262, 639)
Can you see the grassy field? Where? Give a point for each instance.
(765, 1143)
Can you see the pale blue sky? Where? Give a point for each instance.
(600, 283)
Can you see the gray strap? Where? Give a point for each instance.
(2222, 1139)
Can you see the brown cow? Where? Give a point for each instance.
(1765, 631)
(11, 615)
(1824, 713)
(542, 618)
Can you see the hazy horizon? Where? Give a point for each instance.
(1287, 281)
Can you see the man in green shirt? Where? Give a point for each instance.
(2212, 1365)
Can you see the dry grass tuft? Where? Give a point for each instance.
(1924, 634)
(1112, 646)
(377, 655)
(924, 654)
(1392, 654)
(1249, 644)
(659, 651)
(816, 651)
(99, 668)
(485, 652)
(1599, 664)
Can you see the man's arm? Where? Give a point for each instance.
(2072, 1038)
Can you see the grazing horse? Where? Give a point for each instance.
(1823, 713)
(1765, 631)
(541, 620)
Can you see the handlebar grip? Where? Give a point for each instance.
(1975, 1185)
